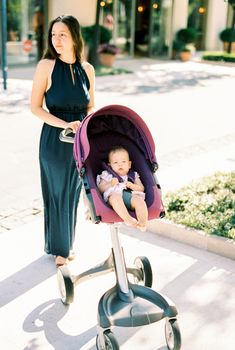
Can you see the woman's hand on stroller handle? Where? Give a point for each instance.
(64, 135)
(74, 126)
(71, 128)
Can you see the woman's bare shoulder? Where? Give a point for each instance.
(88, 67)
(45, 65)
(44, 69)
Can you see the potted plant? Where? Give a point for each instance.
(185, 53)
(105, 36)
(228, 35)
(186, 39)
(107, 53)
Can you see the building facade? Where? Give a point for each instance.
(144, 28)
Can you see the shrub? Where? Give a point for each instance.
(184, 40)
(219, 56)
(207, 205)
(227, 35)
(88, 35)
(187, 35)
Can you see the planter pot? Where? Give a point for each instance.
(106, 59)
(225, 44)
(185, 56)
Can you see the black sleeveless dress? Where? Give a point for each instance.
(67, 98)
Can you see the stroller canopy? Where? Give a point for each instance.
(111, 118)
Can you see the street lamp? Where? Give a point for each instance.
(3, 16)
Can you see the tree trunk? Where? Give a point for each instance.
(233, 25)
(93, 55)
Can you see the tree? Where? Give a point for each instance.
(232, 3)
(93, 57)
(13, 19)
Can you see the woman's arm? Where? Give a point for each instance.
(40, 84)
(89, 69)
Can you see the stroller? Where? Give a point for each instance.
(126, 304)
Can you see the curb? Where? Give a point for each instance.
(199, 239)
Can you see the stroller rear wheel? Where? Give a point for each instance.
(143, 264)
(172, 334)
(110, 341)
(65, 284)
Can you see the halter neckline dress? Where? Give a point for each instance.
(67, 98)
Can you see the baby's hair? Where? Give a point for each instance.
(117, 148)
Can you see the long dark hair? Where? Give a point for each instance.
(75, 30)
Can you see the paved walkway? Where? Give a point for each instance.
(185, 105)
(187, 108)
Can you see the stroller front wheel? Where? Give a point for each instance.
(110, 341)
(172, 334)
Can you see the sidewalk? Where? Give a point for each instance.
(190, 141)
(187, 110)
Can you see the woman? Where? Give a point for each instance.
(67, 84)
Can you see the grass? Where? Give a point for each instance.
(207, 205)
(102, 71)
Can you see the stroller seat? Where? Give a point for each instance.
(126, 304)
(116, 125)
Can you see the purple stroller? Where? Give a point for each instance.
(126, 304)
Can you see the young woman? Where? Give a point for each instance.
(67, 86)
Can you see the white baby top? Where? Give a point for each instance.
(106, 176)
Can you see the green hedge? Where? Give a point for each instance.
(208, 205)
(219, 56)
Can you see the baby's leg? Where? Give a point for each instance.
(116, 202)
(141, 210)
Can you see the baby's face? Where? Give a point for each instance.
(119, 162)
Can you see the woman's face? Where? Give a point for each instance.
(61, 38)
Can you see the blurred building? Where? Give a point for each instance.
(140, 27)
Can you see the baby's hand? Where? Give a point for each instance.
(129, 185)
(114, 181)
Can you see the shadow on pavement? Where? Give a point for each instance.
(197, 282)
(25, 279)
(45, 318)
(161, 80)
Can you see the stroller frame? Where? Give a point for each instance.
(126, 304)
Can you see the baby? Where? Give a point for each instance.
(125, 195)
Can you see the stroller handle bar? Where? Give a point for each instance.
(64, 135)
